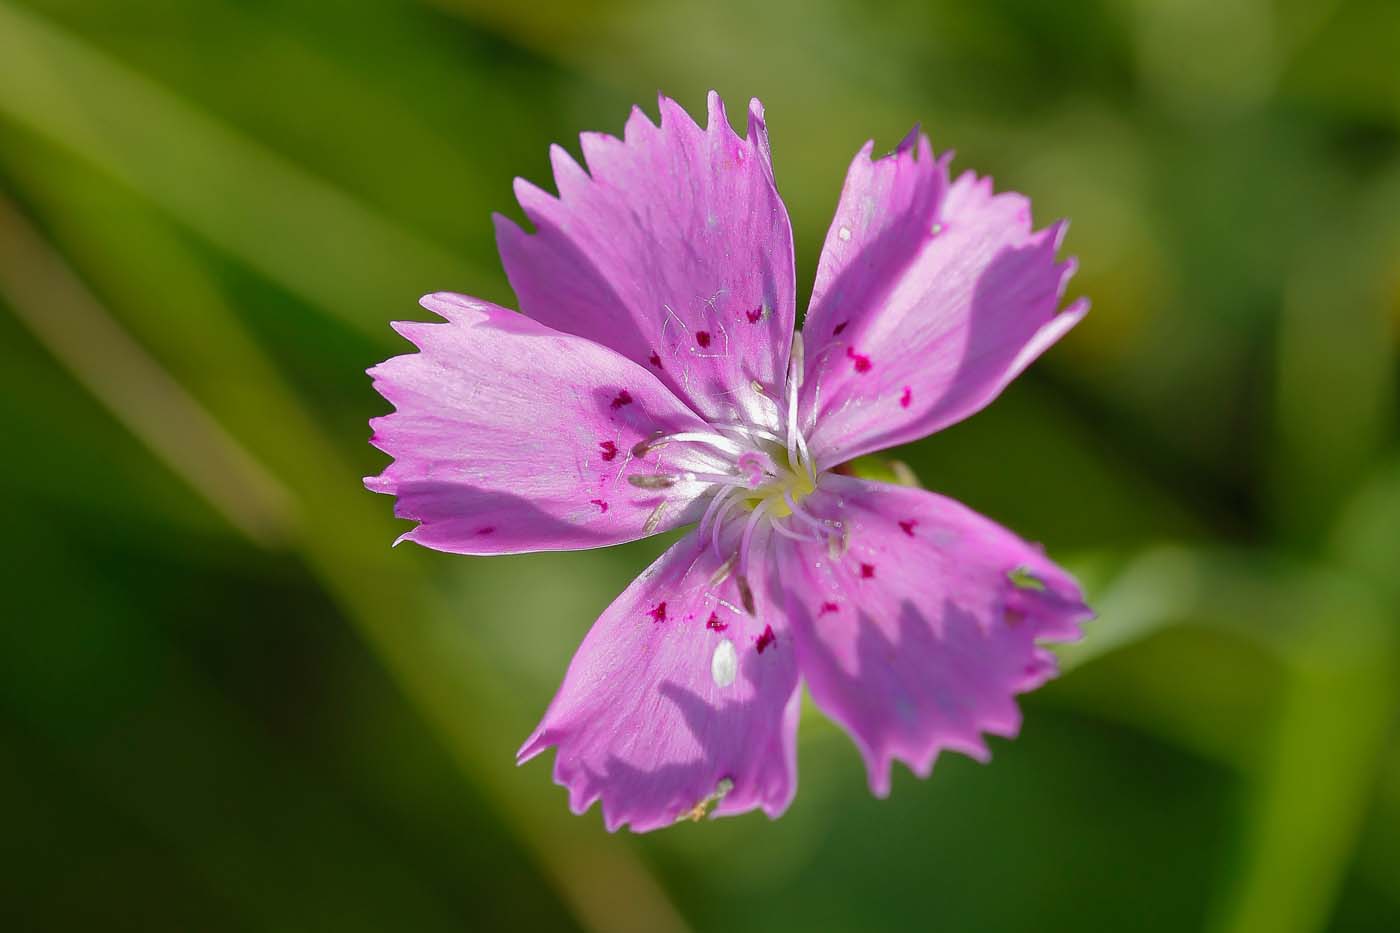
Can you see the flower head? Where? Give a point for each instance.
(655, 380)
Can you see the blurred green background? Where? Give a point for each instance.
(227, 704)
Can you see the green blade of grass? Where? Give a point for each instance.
(310, 238)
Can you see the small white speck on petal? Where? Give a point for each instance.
(724, 665)
(844, 234)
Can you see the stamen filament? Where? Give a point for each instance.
(796, 364)
(715, 504)
(805, 458)
(750, 431)
(718, 441)
(823, 526)
(758, 512)
(787, 532)
(719, 524)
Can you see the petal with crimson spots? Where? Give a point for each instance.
(676, 251)
(506, 435)
(929, 299)
(928, 650)
(670, 701)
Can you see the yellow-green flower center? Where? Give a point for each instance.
(792, 482)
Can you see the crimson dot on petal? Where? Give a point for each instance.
(602, 506)
(623, 398)
(908, 526)
(835, 331)
(906, 398)
(828, 606)
(702, 337)
(658, 612)
(755, 315)
(608, 449)
(655, 359)
(714, 623)
(867, 571)
(766, 639)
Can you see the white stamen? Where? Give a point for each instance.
(719, 523)
(758, 512)
(717, 479)
(787, 532)
(715, 505)
(796, 364)
(749, 431)
(804, 457)
(724, 664)
(824, 527)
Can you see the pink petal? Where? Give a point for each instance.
(511, 437)
(917, 640)
(929, 299)
(644, 723)
(676, 252)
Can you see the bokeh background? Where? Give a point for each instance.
(227, 704)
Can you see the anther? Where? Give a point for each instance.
(724, 570)
(648, 444)
(652, 481)
(746, 594)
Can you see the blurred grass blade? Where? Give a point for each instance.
(50, 300)
(311, 238)
(1365, 539)
(1159, 587)
(1336, 648)
(1335, 375)
(1309, 793)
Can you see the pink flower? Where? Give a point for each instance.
(654, 380)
